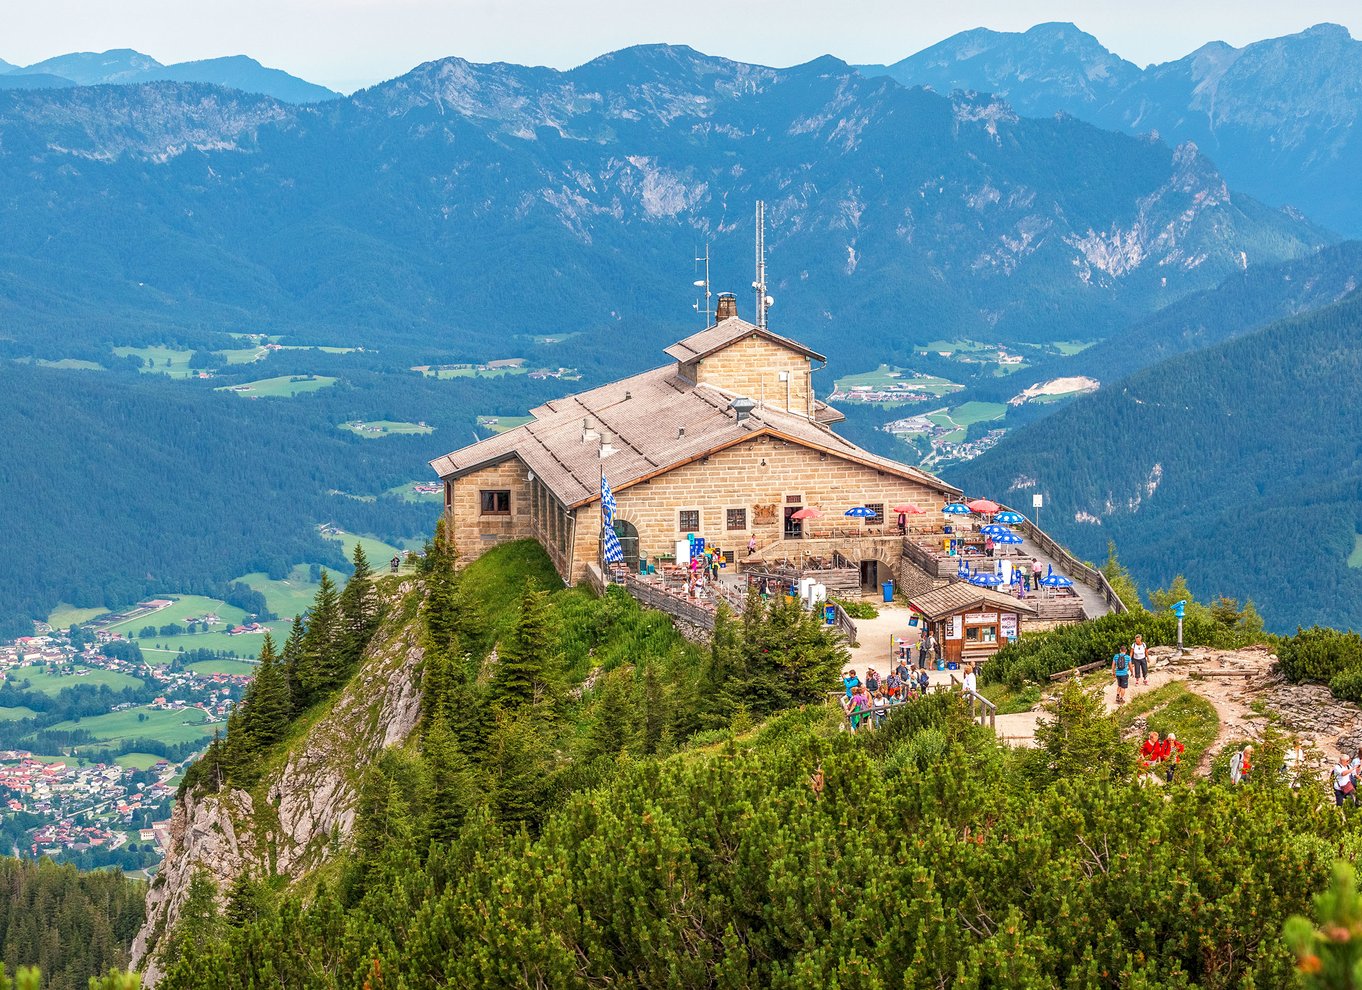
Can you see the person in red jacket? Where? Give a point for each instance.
(1151, 751)
(1172, 755)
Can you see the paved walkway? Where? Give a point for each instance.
(876, 636)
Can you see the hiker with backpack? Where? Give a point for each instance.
(1172, 756)
(1345, 786)
(1120, 669)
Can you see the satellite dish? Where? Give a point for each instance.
(770, 300)
(699, 282)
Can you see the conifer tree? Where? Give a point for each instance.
(360, 611)
(451, 783)
(292, 661)
(199, 922)
(524, 672)
(321, 662)
(238, 751)
(266, 707)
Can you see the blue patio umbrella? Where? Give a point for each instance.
(962, 568)
(1053, 580)
(986, 580)
(955, 509)
(1008, 538)
(1009, 517)
(995, 531)
(860, 512)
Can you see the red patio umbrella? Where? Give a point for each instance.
(909, 510)
(983, 506)
(806, 514)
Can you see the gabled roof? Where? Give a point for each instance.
(960, 595)
(730, 331)
(655, 422)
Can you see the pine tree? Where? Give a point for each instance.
(451, 783)
(292, 660)
(199, 923)
(239, 750)
(360, 611)
(266, 708)
(524, 671)
(321, 662)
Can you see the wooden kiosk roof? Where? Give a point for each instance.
(961, 596)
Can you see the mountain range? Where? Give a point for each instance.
(1277, 116)
(398, 209)
(123, 66)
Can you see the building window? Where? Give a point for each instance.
(737, 519)
(449, 494)
(794, 499)
(878, 509)
(496, 503)
(688, 521)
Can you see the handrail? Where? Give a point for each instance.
(979, 707)
(844, 625)
(1086, 573)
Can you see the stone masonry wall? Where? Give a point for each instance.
(737, 478)
(752, 368)
(474, 533)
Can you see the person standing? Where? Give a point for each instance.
(971, 683)
(1344, 781)
(931, 647)
(751, 545)
(1120, 669)
(851, 682)
(1036, 570)
(872, 681)
(1139, 654)
(923, 681)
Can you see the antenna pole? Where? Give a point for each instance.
(760, 284)
(708, 312)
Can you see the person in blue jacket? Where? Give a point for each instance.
(851, 682)
(1120, 669)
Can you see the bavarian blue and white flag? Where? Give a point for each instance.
(613, 552)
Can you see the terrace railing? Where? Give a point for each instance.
(1080, 571)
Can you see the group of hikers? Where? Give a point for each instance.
(1130, 661)
(1160, 757)
(867, 703)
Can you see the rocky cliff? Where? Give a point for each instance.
(303, 808)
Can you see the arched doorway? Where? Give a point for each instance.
(628, 537)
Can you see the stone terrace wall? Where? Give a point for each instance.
(736, 478)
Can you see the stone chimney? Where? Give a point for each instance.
(728, 306)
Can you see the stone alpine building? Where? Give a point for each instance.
(727, 441)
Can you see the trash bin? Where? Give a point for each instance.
(888, 592)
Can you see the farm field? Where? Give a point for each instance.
(287, 597)
(40, 680)
(161, 650)
(284, 386)
(500, 424)
(1355, 558)
(884, 376)
(225, 666)
(385, 428)
(164, 360)
(185, 725)
(137, 761)
(472, 371)
(549, 339)
(63, 364)
(404, 491)
(64, 616)
(16, 713)
(378, 552)
(1068, 348)
(963, 416)
(185, 608)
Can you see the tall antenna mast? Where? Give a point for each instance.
(763, 300)
(707, 313)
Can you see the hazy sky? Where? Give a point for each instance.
(346, 44)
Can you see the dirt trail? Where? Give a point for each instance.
(1201, 670)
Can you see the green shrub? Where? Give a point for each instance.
(857, 610)
(1326, 656)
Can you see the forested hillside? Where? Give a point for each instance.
(73, 925)
(597, 802)
(1237, 466)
